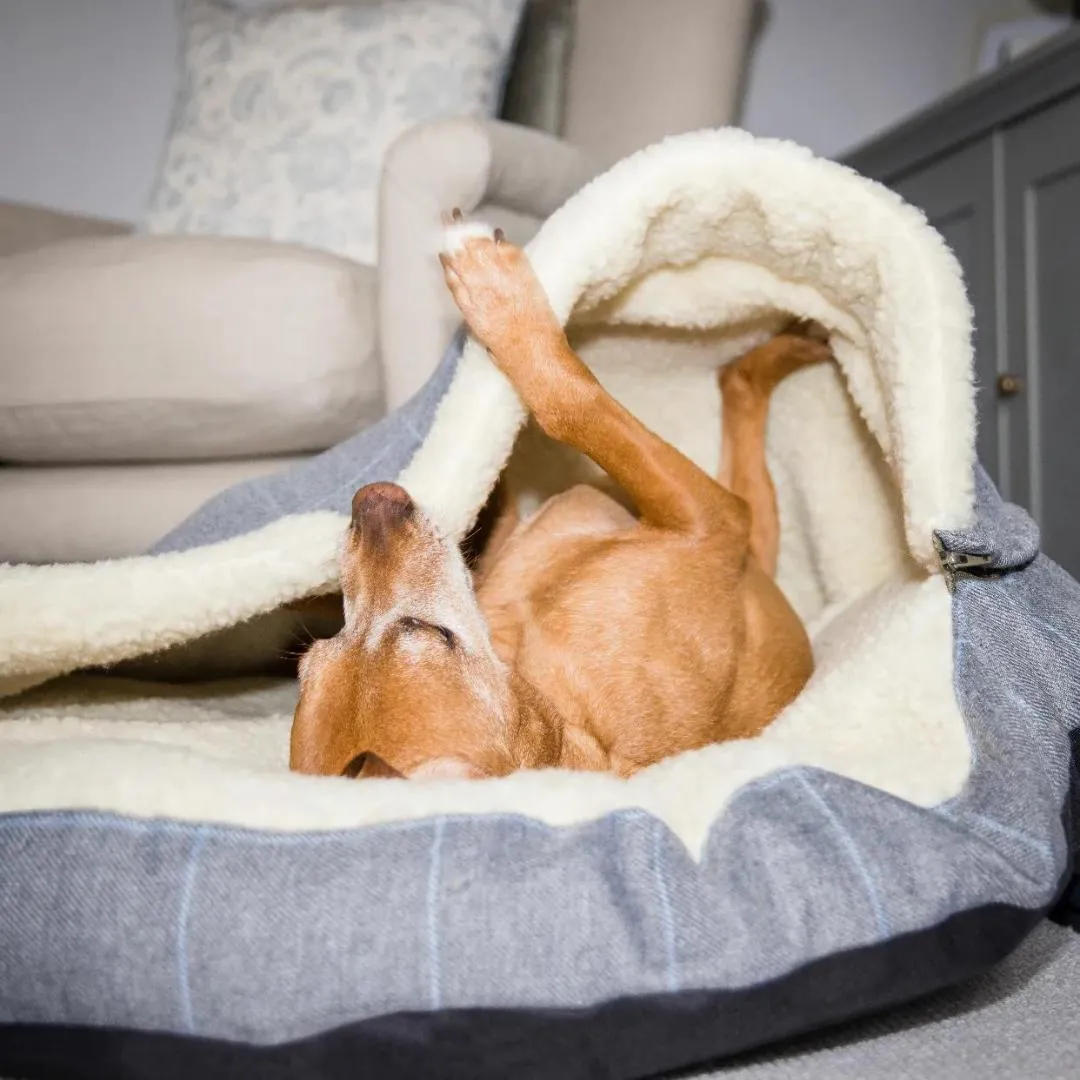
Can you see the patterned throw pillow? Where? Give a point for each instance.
(284, 116)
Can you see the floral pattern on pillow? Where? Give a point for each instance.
(283, 117)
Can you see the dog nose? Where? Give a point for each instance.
(377, 508)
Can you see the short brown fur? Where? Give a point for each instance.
(594, 639)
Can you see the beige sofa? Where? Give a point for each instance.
(140, 375)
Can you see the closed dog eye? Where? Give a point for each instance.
(411, 624)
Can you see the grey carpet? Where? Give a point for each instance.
(1021, 1021)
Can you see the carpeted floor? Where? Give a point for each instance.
(1019, 1022)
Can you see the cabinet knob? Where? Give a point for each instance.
(1009, 385)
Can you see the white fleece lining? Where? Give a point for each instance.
(673, 261)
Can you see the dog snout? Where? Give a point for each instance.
(377, 509)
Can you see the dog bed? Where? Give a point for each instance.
(173, 902)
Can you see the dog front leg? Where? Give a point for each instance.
(507, 310)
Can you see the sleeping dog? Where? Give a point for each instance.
(591, 638)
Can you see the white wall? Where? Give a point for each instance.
(86, 85)
(831, 73)
(85, 92)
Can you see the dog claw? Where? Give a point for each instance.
(456, 214)
(500, 236)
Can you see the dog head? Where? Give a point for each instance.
(411, 685)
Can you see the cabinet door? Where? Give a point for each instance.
(1042, 209)
(956, 193)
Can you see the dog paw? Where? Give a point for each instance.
(492, 284)
(459, 230)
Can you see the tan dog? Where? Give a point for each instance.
(594, 639)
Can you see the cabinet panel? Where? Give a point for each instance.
(1042, 206)
(957, 195)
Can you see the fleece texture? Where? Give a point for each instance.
(665, 267)
(488, 945)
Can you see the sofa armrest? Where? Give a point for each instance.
(24, 227)
(513, 177)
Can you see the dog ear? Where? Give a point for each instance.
(541, 739)
(368, 766)
(582, 750)
(320, 739)
(536, 728)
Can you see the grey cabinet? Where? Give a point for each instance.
(996, 168)
(1042, 314)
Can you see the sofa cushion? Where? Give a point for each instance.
(172, 348)
(80, 513)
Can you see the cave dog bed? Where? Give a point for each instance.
(173, 902)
